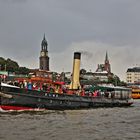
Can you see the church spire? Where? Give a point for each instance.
(44, 37)
(44, 44)
(107, 65)
(106, 57)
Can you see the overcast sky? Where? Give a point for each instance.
(91, 26)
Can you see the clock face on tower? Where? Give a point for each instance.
(42, 53)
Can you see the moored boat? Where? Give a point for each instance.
(76, 97)
(13, 98)
(136, 93)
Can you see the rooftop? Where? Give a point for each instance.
(135, 69)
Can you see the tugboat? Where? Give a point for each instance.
(76, 97)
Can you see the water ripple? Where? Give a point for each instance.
(92, 124)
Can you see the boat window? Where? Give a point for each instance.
(69, 103)
(117, 94)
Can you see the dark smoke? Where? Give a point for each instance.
(87, 54)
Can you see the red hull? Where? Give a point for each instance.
(16, 108)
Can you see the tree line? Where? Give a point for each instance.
(12, 66)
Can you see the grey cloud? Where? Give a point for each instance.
(23, 23)
(13, 1)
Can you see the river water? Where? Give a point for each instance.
(93, 124)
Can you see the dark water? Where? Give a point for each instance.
(94, 124)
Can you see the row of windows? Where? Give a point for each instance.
(128, 77)
(129, 74)
(129, 81)
(138, 78)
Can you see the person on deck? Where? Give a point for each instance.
(29, 85)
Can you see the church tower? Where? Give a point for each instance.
(107, 65)
(44, 59)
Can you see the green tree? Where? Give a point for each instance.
(2, 63)
(11, 65)
(83, 71)
(22, 70)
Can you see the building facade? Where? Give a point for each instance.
(44, 58)
(101, 76)
(103, 71)
(104, 67)
(133, 75)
